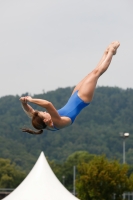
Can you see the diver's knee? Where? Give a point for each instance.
(96, 72)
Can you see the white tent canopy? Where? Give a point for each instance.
(41, 184)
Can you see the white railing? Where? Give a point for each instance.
(128, 196)
(6, 190)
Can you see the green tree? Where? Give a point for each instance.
(95, 130)
(101, 179)
(10, 176)
(65, 169)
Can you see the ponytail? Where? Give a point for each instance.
(31, 131)
(37, 123)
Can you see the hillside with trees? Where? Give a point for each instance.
(96, 130)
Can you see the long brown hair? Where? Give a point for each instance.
(37, 123)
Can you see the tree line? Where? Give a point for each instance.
(96, 130)
(96, 176)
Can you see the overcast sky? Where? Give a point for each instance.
(46, 44)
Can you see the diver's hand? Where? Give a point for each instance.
(28, 98)
(23, 100)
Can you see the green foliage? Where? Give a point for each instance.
(102, 179)
(65, 169)
(96, 129)
(10, 175)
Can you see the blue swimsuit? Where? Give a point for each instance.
(72, 108)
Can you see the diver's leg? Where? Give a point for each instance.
(77, 87)
(87, 86)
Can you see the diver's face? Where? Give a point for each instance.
(46, 118)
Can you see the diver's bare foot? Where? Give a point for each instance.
(110, 46)
(114, 46)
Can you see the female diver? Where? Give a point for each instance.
(81, 97)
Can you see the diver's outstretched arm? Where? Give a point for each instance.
(47, 105)
(40, 102)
